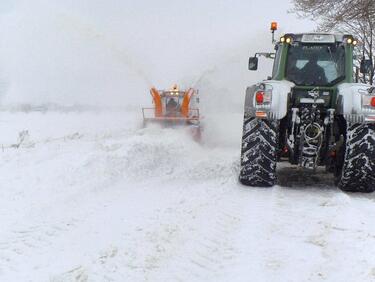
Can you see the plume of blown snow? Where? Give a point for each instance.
(110, 53)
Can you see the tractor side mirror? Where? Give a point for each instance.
(253, 63)
(366, 66)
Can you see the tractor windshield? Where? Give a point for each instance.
(315, 65)
(172, 102)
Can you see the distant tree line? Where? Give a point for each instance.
(356, 17)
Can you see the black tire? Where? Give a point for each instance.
(358, 172)
(259, 152)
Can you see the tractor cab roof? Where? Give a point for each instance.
(317, 38)
(170, 93)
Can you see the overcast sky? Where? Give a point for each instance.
(110, 52)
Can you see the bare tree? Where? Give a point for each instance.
(355, 17)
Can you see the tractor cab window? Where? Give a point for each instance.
(276, 63)
(315, 65)
(172, 103)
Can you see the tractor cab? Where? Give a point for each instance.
(171, 101)
(312, 61)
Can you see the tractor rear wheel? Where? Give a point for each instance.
(358, 172)
(259, 152)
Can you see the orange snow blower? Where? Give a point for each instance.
(174, 107)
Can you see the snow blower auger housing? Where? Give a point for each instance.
(310, 113)
(174, 107)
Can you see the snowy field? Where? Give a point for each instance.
(94, 197)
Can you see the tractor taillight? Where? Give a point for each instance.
(259, 97)
(368, 101)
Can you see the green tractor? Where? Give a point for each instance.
(311, 113)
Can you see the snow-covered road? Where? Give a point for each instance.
(93, 197)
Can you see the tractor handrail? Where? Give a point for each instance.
(193, 115)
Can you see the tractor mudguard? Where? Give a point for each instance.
(352, 102)
(186, 102)
(277, 108)
(157, 101)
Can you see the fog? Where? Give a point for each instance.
(108, 53)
